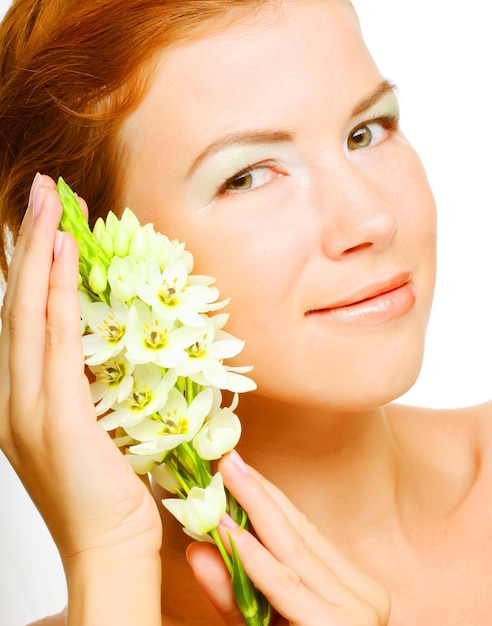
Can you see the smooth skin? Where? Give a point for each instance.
(102, 516)
(318, 202)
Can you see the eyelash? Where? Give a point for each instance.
(390, 122)
(222, 190)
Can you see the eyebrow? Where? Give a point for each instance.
(245, 138)
(385, 87)
(275, 136)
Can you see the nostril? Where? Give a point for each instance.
(357, 248)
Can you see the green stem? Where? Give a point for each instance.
(192, 459)
(191, 390)
(179, 477)
(223, 552)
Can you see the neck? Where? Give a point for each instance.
(274, 428)
(360, 469)
(324, 461)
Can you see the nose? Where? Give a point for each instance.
(355, 213)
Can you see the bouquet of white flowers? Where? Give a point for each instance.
(155, 348)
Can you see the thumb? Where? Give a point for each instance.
(211, 574)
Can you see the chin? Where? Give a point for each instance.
(363, 380)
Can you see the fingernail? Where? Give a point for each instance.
(227, 522)
(34, 204)
(58, 244)
(238, 462)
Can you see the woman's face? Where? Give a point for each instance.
(272, 149)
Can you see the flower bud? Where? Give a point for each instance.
(138, 245)
(165, 478)
(123, 277)
(130, 222)
(99, 228)
(203, 509)
(98, 279)
(121, 241)
(218, 436)
(104, 238)
(111, 223)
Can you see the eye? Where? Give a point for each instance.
(250, 178)
(372, 133)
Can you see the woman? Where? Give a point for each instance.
(285, 172)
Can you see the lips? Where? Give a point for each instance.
(377, 303)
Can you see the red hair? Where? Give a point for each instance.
(71, 71)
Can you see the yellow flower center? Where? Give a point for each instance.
(173, 423)
(112, 373)
(168, 295)
(154, 337)
(112, 329)
(198, 350)
(140, 398)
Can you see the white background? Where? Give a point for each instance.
(439, 54)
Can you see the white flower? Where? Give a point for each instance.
(174, 423)
(145, 464)
(115, 234)
(152, 339)
(108, 326)
(164, 250)
(148, 394)
(204, 360)
(232, 380)
(165, 478)
(113, 383)
(145, 242)
(124, 276)
(176, 296)
(218, 435)
(202, 510)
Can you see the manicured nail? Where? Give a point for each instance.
(238, 463)
(58, 244)
(34, 203)
(227, 522)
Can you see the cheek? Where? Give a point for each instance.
(412, 200)
(254, 261)
(419, 221)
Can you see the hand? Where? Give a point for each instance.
(90, 497)
(306, 579)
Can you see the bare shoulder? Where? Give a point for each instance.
(464, 431)
(472, 418)
(52, 620)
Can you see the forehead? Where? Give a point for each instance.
(269, 63)
(273, 29)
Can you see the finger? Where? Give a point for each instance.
(64, 354)
(9, 310)
(27, 315)
(348, 573)
(64, 358)
(284, 541)
(211, 574)
(39, 183)
(63, 314)
(18, 251)
(280, 584)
